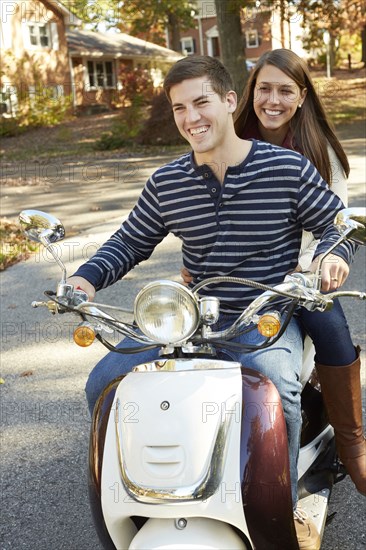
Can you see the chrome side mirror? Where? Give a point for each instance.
(41, 227)
(351, 222)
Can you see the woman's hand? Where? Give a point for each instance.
(186, 276)
(80, 283)
(334, 271)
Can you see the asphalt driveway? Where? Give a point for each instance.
(45, 423)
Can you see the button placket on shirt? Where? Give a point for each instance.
(213, 185)
(215, 190)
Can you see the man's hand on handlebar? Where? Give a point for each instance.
(80, 283)
(334, 271)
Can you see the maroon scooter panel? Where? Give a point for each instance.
(96, 450)
(264, 466)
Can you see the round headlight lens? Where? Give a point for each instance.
(166, 312)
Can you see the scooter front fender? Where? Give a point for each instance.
(264, 467)
(203, 533)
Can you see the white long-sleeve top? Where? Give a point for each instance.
(339, 187)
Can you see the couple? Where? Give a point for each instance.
(239, 207)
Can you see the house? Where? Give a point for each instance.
(97, 59)
(34, 50)
(261, 26)
(45, 55)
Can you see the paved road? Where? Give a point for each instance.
(44, 419)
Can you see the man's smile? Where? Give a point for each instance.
(199, 130)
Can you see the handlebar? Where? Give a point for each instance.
(297, 289)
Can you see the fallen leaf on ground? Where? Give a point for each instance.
(26, 373)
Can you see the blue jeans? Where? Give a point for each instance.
(280, 362)
(330, 334)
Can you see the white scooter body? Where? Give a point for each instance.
(158, 458)
(173, 453)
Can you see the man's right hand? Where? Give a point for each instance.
(80, 283)
(186, 276)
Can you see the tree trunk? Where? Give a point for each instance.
(363, 46)
(282, 22)
(174, 31)
(232, 41)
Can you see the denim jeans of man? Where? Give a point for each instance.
(280, 362)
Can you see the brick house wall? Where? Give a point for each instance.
(34, 49)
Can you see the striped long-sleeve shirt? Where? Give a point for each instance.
(248, 227)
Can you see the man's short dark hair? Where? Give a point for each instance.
(197, 66)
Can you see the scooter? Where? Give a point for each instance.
(190, 451)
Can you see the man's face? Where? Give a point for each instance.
(202, 117)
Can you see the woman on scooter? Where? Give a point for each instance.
(280, 105)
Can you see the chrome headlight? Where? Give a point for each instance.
(166, 312)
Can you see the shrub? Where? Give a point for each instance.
(160, 128)
(15, 247)
(125, 130)
(43, 107)
(137, 85)
(9, 127)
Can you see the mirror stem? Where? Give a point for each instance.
(46, 243)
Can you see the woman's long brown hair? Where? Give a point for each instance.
(310, 127)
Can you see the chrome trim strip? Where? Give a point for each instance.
(204, 488)
(184, 365)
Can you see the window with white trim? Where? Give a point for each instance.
(251, 39)
(39, 35)
(187, 45)
(101, 74)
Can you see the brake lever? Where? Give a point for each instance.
(310, 296)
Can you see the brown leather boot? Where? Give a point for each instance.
(341, 390)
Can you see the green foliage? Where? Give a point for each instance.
(341, 19)
(139, 126)
(36, 111)
(44, 111)
(147, 19)
(41, 107)
(125, 130)
(95, 12)
(143, 16)
(137, 91)
(10, 127)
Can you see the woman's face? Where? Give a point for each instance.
(276, 98)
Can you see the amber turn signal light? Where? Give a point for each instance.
(269, 324)
(84, 335)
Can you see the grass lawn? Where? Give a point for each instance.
(344, 98)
